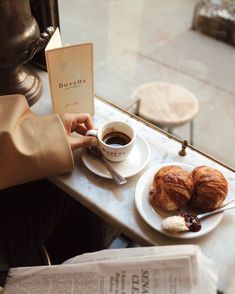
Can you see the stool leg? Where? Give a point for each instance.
(191, 133)
(138, 107)
(169, 130)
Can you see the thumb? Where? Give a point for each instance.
(82, 141)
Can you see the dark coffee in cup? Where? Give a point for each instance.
(116, 139)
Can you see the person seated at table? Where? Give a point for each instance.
(32, 148)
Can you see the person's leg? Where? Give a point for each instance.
(29, 215)
(79, 232)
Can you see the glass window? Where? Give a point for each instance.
(182, 42)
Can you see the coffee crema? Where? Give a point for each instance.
(116, 139)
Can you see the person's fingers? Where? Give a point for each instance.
(82, 141)
(84, 118)
(81, 129)
(72, 121)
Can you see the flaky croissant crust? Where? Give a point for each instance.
(210, 188)
(171, 188)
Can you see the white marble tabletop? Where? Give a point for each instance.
(116, 204)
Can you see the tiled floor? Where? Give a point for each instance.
(151, 40)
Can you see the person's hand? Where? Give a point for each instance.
(79, 123)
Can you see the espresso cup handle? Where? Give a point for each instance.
(92, 133)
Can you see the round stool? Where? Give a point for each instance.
(165, 105)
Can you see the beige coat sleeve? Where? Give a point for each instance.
(31, 146)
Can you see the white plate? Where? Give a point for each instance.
(154, 218)
(133, 164)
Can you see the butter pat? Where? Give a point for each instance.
(175, 224)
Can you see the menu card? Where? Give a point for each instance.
(70, 73)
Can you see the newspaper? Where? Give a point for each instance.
(180, 269)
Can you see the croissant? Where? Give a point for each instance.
(171, 188)
(210, 188)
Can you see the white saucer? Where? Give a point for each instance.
(133, 164)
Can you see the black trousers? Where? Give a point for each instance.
(39, 213)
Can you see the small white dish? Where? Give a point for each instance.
(154, 218)
(133, 164)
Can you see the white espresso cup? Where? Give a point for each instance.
(115, 138)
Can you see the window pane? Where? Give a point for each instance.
(138, 42)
